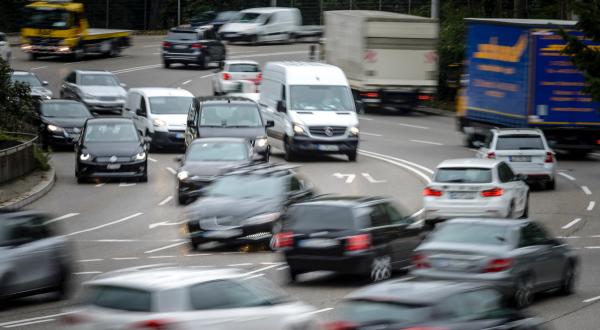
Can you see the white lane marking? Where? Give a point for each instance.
(152, 159)
(89, 260)
(591, 299)
(126, 184)
(34, 319)
(586, 190)
(107, 224)
(371, 179)
(170, 169)
(87, 273)
(319, 311)
(565, 175)
(428, 170)
(268, 54)
(165, 247)
(413, 126)
(254, 276)
(165, 223)
(206, 76)
(28, 323)
(245, 52)
(160, 257)
(242, 264)
(62, 217)
(261, 269)
(571, 224)
(349, 177)
(370, 134)
(424, 176)
(165, 201)
(364, 118)
(186, 82)
(151, 46)
(591, 206)
(568, 237)
(99, 184)
(283, 268)
(592, 247)
(115, 240)
(137, 68)
(157, 53)
(39, 67)
(427, 142)
(125, 258)
(198, 255)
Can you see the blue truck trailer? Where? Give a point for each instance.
(517, 76)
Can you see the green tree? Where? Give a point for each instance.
(16, 104)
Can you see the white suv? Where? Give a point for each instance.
(226, 80)
(475, 188)
(525, 150)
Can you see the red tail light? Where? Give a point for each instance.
(491, 155)
(425, 97)
(284, 239)
(549, 157)
(420, 261)
(197, 46)
(494, 192)
(340, 325)
(498, 265)
(74, 319)
(432, 192)
(226, 76)
(373, 95)
(154, 325)
(358, 242)
(167, 44)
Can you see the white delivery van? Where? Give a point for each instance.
(260, 25)
(160, 113)
(312, 107)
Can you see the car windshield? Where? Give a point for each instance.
(28, 79)
(318, 97)
(181, 35)
(64, 110)
(217, 151)
(247, 186)
(225, 16)
(248, 18)
(119, 298)
(243, 67)
(48, 18)
(310, 218)
(520, 142)
(170, 105)
(110, 132)
(471, 233)
(463, 175)
(230, 115)
(383, 313)
(98, 80)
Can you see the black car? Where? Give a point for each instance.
(60, 122)
(221, 116)
(212, 20)
(192, 46)
(428, 305)
(244, 205)
(350, 235)
(207, 158)
(111, 148)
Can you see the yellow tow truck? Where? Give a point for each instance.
(59, 27)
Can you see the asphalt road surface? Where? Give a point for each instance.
(118, 225)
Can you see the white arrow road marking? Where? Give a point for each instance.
(349, 177)
(565, 175)
(371, 179)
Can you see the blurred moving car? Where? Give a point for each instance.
(39, 91)
(228, 117)
(34, 259)
(258, 25)
(100, 91)
(246, 89)
(159, 113)
(192, 46)
(517, 256)
(525, 150)
(428, 306)
(352, 235)
(212, 20)
(224, 81)
(60, 122)
(186, 299)
(207, 158)
(244, 205)
(111, 148)
(475, 188)
(5, 52)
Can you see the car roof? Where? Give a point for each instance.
(491, 221)
(240, 62)
(470, 162)
(340, 201)
(94, 72)
(161, 91)
(413, 292)
(109, 120)
(522, 131)
(220, 139)
(266, 10)
(164, 278)
(308, 73)
(225, 99)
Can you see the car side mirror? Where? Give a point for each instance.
(281, 106)
(270, 123)
(140, 112)
(44, 83)
(178, 159)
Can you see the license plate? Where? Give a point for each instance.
(180, 47)
(179, 136)
(452, 264)
(113, 166)
(318, 243)
(520, 158)
(461, 195)
(328, 147)
(223, 233)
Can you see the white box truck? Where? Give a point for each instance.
(390, 59)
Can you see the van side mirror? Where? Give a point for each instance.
(281, 106)
(140, 112)
(270, 123)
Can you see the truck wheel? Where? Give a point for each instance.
(77, 54)
(33, 56)
(115, 50)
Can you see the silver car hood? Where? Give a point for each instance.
(104, 90)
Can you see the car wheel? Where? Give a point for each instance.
(115, 50)
(381, 268)
(205, 62)
(551, 185)
(143, 178)
(194, 245)
(523, 295)
(292, 275)
(511, 210)
(352, 156)
(182, 200)
(525, 214)
(64, 286)
(77, 54)
(80, 179)
(288, 153)
(33, 56)
(166, 64)
(569, 278)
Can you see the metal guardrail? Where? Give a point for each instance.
(18, 160)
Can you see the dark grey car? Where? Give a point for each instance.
(517, 256)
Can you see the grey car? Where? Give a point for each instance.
(100, 91)
(39, 90)
(33, 258)
(517, 256)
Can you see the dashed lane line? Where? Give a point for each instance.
(364, 118)
(412, 126)
(427, 142)
(126, 184)
(166, 247)
(571, 224)
(370, 134)
(28, 323)
(240, 265)
(586, 190)
(106, 224)
(4, 324)
(39, 68)
(283, 268)
(261, 269)
(62, 217)
(591, 299)
(165, 201)
(99, 185)
(90, 260)
(152, 159)
(592, 247)
(565, 175)
(591, 206)
(161, 257)
(170, 169)
(125, 258)
(186, 82)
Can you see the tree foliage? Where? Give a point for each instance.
(16, 104)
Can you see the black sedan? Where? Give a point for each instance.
(192, 46)
(60, 122)
(111, 148)
(428, 305)
(207, 158)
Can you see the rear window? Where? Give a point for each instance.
(243, 68)
(318, 217)
(125, 299)
(365, 311)
(227, 294)
(180, 35)
(463, 175)
(520, 142)
(230, 115)
(486, 234)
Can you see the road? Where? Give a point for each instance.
(119, 225)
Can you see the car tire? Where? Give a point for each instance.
(182, 200)
(194, 246)
(551, 185)
(523, 295)
(77, 54)
(381, 268)
(292, 275)
(205, 62)
(288, 154)
(64, 287)
(33, 56)
(511, 210)
(352, 156)
(115, 50)
(525, 214)
(569, 279)
(166, 64)
(80, 179)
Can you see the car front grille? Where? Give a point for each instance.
(327, 131)
(108, 159)
(107, 98)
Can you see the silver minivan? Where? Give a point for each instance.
(258, 25)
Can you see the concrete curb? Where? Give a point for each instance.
(34, 194)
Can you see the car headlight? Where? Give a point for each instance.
(299, 130)
(84, 156)
(354, 130)
(261, 219)
(140, 156)
(261, 142)
(159, 123)
(182, 175)
(54, 128)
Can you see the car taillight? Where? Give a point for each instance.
(373, 95)
(259, 77)
(197, 46)
(549, 157)
(74, 319)
(494, 192)
(167, 44)
(358, 242)
(284, 239)
(432, 192)
(154, 324)
(226, 76)
(498, 265)
(340, 325)
(420, 261)
(425, 97)
(491, 155)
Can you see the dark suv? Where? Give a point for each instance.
(192, 46)
(351, 235)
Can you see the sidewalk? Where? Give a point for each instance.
(25, 190)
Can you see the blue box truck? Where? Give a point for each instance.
(517, 76)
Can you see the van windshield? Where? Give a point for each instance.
(321, 98)
(248, 18)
